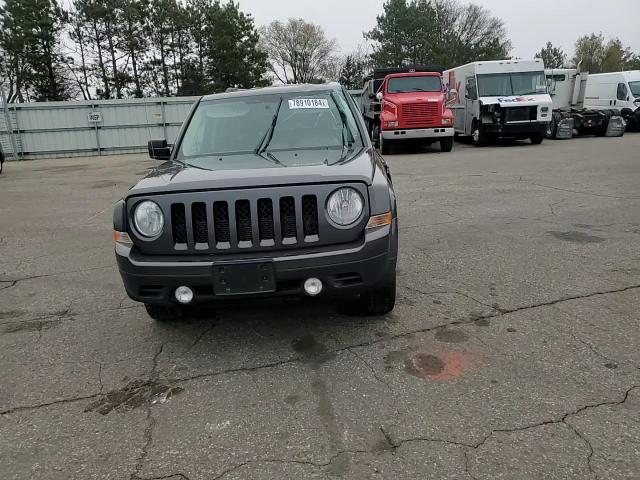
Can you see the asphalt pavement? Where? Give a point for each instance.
(513, 351)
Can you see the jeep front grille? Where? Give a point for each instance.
(249, 220)
(247, 232)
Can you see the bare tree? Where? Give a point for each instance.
(299, 52)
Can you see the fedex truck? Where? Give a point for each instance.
(499, 99)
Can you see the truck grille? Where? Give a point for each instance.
(520, 114)
(247, 232)
(419, 114)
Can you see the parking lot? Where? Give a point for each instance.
(513, 351)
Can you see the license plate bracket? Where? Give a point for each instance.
(243, 278)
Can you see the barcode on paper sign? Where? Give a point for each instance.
(308, 103)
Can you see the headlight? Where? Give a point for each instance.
(148, 219)
(345, 206)
(446, 121)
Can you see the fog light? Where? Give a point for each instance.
(184, 294)
(313, 286)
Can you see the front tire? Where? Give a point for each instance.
(161, 313)
(537, 138)
(385, 145)
(379, 301)
(446, 144)
(478, 135)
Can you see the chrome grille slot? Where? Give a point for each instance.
(221, 225)
(265, 221)
(243, 223)
(310, 216)
(200, 224)
(179, 224)
(288, 220)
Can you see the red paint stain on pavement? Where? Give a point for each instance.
(445, 366)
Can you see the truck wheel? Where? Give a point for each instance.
(385, 145)
(446, 144)
(552, 128)
(478, 135)
(379, 301)
(162, 313)
(537, 138)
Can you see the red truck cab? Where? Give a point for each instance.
(414, 108)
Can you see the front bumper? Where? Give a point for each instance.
(415, 133)
(518, 130)
(347, 270)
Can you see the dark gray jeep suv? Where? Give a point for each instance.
(273, 191)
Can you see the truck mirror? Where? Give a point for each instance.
(379, 96)
(453, 93)
(159, 150)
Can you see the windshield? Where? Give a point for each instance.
(414, 84)
(506, 84)
(635, 89)
(261, 124)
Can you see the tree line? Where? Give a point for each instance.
(103, 49)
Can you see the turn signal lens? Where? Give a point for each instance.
(380, 220)
(122, 237)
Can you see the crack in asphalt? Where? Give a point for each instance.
(310, 463)
(14, 282)
(520, 180)
(370, 367)
(167, 477)
(497, 312)
(151, 422)
(60, 401)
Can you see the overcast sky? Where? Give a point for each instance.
(530, 23)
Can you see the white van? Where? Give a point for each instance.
(618, 91)
(501, 98)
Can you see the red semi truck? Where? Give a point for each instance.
(412, 106)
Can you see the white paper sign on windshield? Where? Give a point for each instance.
(308, 103)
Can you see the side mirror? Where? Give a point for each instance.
(159, 150)
(453, 93)
(379, 96)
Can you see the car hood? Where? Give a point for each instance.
(259, 171)
(518, 100)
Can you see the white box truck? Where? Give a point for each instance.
(499, 99)
(617, 90)
(567, 87)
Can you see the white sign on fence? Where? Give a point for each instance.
(95, 117)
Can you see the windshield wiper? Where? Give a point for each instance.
(269, 133)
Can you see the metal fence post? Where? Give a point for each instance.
(95, 125)
(164, 119)
(7, 118)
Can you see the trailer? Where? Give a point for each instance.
(499, 99)
(567, 87)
